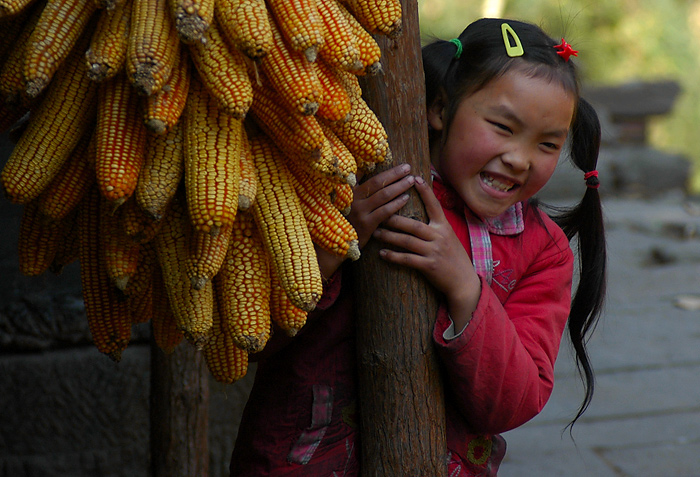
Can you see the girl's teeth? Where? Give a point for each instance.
(496, 184)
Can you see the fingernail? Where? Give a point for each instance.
(382, 253)
(405, 168)
(420, 180)
(410, 179)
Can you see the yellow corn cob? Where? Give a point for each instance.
(206, 255)
(165, 332)
(192, 18)
(341, 197)
(61, 24)
(370, 53)
(283, 313)
(300, 23)
(69, 247)
(143, 277)
(336, 104)
(65, 114)
(347, 166)
(212, 151)
(141, 310)
(120, 140)
(153, 45)
(161, 173)
(108, 315)
(108, 4)
(9, 8)
(39, 238)
(227, 362)
(138, 226)
(71, 183)
(12, 84)
(279, 218)
(11, 27)
(248, 188)
(292, 75)
(339, 40)
(246, 25)
(164, 108)
(120, 255)
(297, 134)
(242, 287)
(192, 308)
(223, 71)
(107, 52)
(377, 16)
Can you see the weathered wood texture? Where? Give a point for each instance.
(179, 413)
(401, 397)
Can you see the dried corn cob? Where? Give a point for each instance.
(282, 226)
(223, 71)
(370, 53)
(248, 188)
(377, 16)
(246, 25)
(192, 308)
(68, 249)
(141, 280)
(108, 316)
(336, 104)
(107, 52)
(340, 42)
(71, 183)
(141, 310)
(139, 226)
(39, 238)
(283, 312)
(242, 287)
(165, 331)
(164, 108)
(226, 362)
(61, 24)
(212, 149)
(300, 23)
(161, 173)
(341, 197)
(120, 140)
(347, 166)
(12, 84)
(120, 255)
(108, 4)
(153, 46)
(207, 253)
(9, 8)
(62, 118)
(192, 18)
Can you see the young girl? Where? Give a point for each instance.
(503, 100)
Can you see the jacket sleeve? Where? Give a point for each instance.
(500, 370)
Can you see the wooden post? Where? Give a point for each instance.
(179, 412)
(401, 396)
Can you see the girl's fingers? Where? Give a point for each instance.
(406, 241)
(432, 204)
(386, 185)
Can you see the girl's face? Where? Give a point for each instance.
(504, 141)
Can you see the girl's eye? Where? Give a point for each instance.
(501, 126)
(551, 145)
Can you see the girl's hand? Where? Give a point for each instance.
(434, 250)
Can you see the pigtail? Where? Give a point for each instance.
(585, 221)
(437, 59)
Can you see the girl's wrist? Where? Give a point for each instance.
(462, 305)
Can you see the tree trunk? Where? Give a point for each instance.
(401, 396)
(179, 413)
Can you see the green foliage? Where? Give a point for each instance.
(619, 41)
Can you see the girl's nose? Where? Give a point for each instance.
(517, 159)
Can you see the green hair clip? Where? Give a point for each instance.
(457, 42)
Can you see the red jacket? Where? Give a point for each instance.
(300, 418)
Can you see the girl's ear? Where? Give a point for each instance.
(436, 112)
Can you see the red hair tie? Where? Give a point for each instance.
(564, 50)
(591, 179)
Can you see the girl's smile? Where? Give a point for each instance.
(504, 140)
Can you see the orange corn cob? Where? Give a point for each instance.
(12, 84)
(246, 25)
(223, 71)
(68, 249)
(377, 16)
(120, 255)
(281, 222)
(192, 308)
(120, 140)
(164, 108)
(212, 161)
(39, 238)
(71, 183)
(248, 188)
(143, 277)
(227, 362)
(341, 197)
(165, 331)
(283, 312)
(107, 52)
(9, 8)
(206, 255)
(192, 18)
(138, 226)
(153, 45)
(297, 134)
(292, 75)
(65, 114)
(242, 287)
(347, 167)
(61, 24)
(336, 104)
(339, 40)
(108, 315)
(300, 24)
(370, 53)
(161, 173)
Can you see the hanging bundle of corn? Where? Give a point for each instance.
(192, 154)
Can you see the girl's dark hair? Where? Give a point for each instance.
(483, 58)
